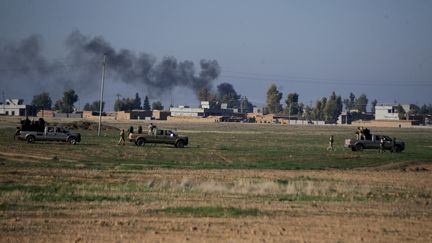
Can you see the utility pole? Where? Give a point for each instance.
(4, 102)
(241, 105)
(118, 100)
(101, 93)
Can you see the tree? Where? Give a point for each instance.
(401, 112)
(137, 102)
(292, 106)
(146, 105)
(301, 108)
(157, 106)
(95, 106)
(245, 105)
(273, 99)
(361, 103)
(373, 104)
(317, 110)
(414, 109)
(424, 110)
(333, 108)
(42, 100)
(66, 104)
(308, 113)
(349, 103)
(227, 94)
(204, 94)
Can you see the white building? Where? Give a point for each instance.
(188, 111)
(16, 107)
(386, 112)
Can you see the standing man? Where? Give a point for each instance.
(393, 145)
(362, 134)
(150, 129)
(122, 137)
(381, 150)
(331, 141)
(358, 133)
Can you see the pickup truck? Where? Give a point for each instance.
(163, 136)
(374, 143)
(50, 133)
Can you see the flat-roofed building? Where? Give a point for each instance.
(16, 107)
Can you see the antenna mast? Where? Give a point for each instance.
(101, 94)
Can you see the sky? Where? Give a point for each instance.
(382, 48)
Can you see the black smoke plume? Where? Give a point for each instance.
(82, 68)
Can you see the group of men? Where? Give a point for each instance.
(152, 130)
(363, 133)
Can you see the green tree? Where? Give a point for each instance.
(308, 113)
(373, 104)
(273, 99)
(424, 110)
(42, 100)
(333, 108)
(292, 106)
(361, 103)
(137, 102)
(401, 112)
(317, 111)
(94, 106)
(245, 105)
(157, 106)
(350, 102)
(204, 94)
(146, 105)
(66, 104)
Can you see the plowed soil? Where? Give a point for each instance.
(406, 217)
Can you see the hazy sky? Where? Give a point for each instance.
(378, 47)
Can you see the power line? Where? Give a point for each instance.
(324, 81)
(60, 65)
(290, 77)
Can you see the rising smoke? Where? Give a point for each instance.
(24, 64)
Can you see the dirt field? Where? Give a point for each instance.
(390, 218)
(52, 192)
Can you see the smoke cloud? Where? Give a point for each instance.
(81, 69)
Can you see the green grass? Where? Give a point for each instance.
(220, 146)
(209, 211)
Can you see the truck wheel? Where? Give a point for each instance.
(180, 144)
(72, 140)
(30, 139)
(359, 147)
(398, 149)
(140, 142)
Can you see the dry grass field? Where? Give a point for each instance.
(233, 183)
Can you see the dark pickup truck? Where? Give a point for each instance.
(163, 136)
(374, 143)
(50, 133)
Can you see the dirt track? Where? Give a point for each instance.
(401, 219)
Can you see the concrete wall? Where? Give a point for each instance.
(161, 115)
(209, 119)
(384, 123)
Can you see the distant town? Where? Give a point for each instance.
(227, 106)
